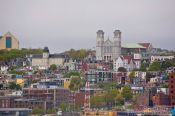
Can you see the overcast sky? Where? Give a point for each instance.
(65, 24)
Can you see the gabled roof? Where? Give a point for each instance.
(145, 44)
(126, 57)
(132, 45)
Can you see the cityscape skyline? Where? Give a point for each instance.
(62, 25)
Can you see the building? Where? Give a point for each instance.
(108, 50)
(8, 41)
(124, 61)
(53, 96)
(43, 61)
(161, 99)
(172, 88)
(160, 58)
(131, 48)
(15, 111)
(7, 101)
(119, 77)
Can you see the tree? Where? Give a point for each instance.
(119, 100)
(15, 53)
(76, 83)
(77, 54)
(155, 66)
(38, 111)
(166, 64)
(53, 67)
(51, 111)
(72, 74)
(110, 97)
(14, 86)
(144, 65)
(108, 85)
(97, 101)
(148, 76)
(122, 69)
(127, 93)
(131, 76)
(63, 106)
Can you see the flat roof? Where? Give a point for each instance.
(15, 109)
(132, 45)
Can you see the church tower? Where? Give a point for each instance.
(117, 44)
(99, 45)
(46, 52)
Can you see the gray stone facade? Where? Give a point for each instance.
(106, 49)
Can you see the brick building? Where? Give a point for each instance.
(7, 101)
(161, 99)
(172, 88)
(52, 96)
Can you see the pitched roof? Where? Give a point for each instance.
(37, 56)
(145, 44)
(50, 56)
(126, 57)
(132, 45)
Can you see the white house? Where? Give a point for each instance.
(124, 61)
(137, 60)
(160, 58)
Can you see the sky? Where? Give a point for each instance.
(65, 24)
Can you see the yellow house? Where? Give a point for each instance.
(20, 81)
(66, 83)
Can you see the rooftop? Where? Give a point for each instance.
(15, 109)
(132, 45)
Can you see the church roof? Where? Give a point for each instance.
(132, 45)
(108, 41)
(145, 44)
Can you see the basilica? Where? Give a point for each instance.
(108, 50)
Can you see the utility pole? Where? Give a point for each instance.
(87, 97)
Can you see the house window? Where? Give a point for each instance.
(8, 42)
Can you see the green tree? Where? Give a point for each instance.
(122, 69)
(119, 100)
(155, 66)
(38, 111)
(51, 111)
(110, 97)
(76, 83)
(63, 106)
(127, 93)
(14, 86)
(108, 85)
(148, 76)
(17, 72)
(15, 53)
(81, 53)
(97, 101)
(53, 67)
(166, 64)
(144, 65)
(131, 76)
(72, 74)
